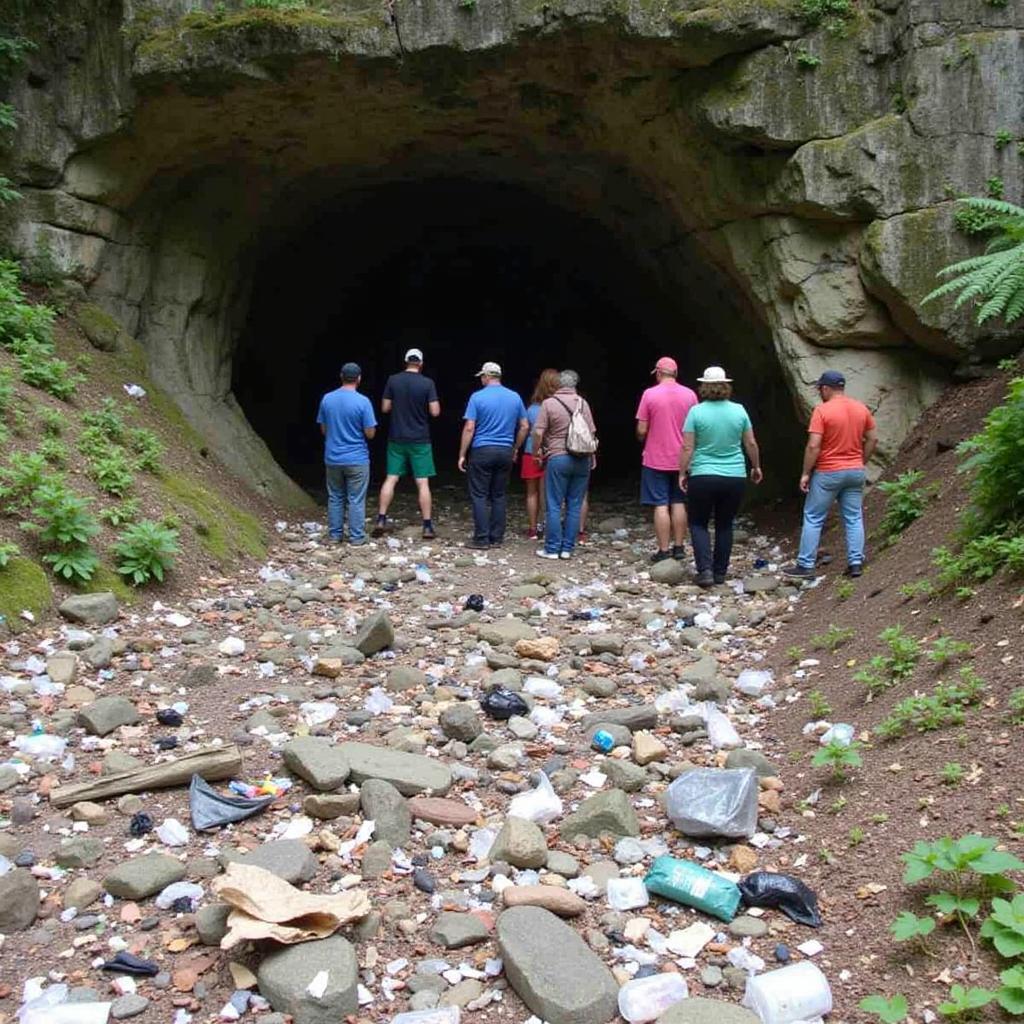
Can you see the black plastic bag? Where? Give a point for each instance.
(140, 824)
(127, 963)
(474, 603)
(788, 894)
(167, 743)
(503, 704)
(210, 808)
(169, 717)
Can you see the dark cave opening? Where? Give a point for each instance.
(470, 271)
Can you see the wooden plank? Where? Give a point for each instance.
(211, 763)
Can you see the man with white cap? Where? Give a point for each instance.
(659, 424)
(494, 431)
(409, 399)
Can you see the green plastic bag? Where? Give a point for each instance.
(689, 883)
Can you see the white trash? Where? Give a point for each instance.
(232, 647)
(646, 999)
(41, 746)
(172, 833)
(797, 992)
(627, 893)
(721, 731)
(539, 686)
(541, 805)
(840, 733)
(175, 891)
(753, 681)
(442, 1015)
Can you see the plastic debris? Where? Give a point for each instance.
(50, 1006)
(176, 892)
(783, 892)
(211, 809)
(627, 894)
(541, 805)
(442, 1015)
(172, 833)
(140, 824)
(646, 999)
(266, 787)
(169, 717)
(128, 963)
(502, 704)
(694, 886)
(840, 733)
(41, 745)
(797, 992)
(753, 682)
(714, 802)
(721, 732)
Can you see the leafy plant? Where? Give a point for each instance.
(1003, 138)
(885, 670)
(845, 590)
(794, 653)
(53, 421)
(905, 502)
(60, 517)
(888, 1011)
(839, 757)
(807, 61)
(117, 515)
(1010, 995)
(832, 14)
(112, 473)
(7, 552)
(952, 773)
(147, 449)
(820, 707)
(855, 836)
(909, 927)
(77, 565)
(979, 559)
(995, 187)
(971, 856)
(1004, 927)
(54, 450)
(275, 5)
(1016, 706)
(42, 268)
(21, 476)
(833, 638)
(145, 551)
(8, 120)
(965, 1002)
(6, 390)
(8, 194)
(945, 649)
(107, 420)
(945, 706)
(919, 588)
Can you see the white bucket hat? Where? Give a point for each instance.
(714, 375)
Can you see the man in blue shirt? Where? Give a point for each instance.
(494, 431)
(347, 423)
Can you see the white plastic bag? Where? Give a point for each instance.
(721, 733)
(41, 746)
(172, 833)
(840, 733)
(175, 891)
(753, 681)
(541, 805)
(627, 893)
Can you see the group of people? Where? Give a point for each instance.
(699, 451)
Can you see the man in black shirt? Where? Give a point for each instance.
(410, 399)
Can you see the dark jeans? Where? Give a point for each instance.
(717, 496)
(488, 471)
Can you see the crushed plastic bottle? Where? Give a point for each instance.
(646, 999)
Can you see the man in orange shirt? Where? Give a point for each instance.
(840, 441)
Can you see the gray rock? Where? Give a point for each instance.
(640, 716)
(197, 676)
(760, 584)
(410, 774)
(699, 671)
(212, 923)
(285, 975)
(461, 722)
(405, 677)
(105, 715)
(748, 927)
(375, 634)
(505, 631)
(118, 761)
(522, 728)
(519, 843)
(462, 993)
(711, 976)
(743, 758)
(564, 864)
(330, 805)
(9, 777)
(81, 893)
(382, 803)
(572, 987)
(290, 859)
(707, 1011)
(620, 734)
(453, 931)
(100, 653)
(19, 901)
(376, 859)
(128, 1006)
(79, 852)
(346, 655)
(716, 690)
(599, 686)
(670, 572)
(601, 872)
(624, 775)
(317, 761)
(91, 609)
(505, 678)
(610, 812)
(139, 877)
(606, 643)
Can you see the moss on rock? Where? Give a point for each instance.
(102, 330)
(24, 586)
(104, 579)
(224, 530)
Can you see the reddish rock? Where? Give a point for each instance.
(559, 901)
(439, 811)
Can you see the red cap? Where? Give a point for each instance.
(666, 364)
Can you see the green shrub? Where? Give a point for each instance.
(832, 639)
(42, 269)
(6, 391)
(53, 421)
(981, 558)
(1016, 706)
(7, 552)
(117, 515)
(113, 473)
(60, 517)
(107, 420)
(833, 14)
(54, 450)
(945, 706)
(945, 649)
(905, 502)
(145, 551)
(885, 670)
(146, 447)
(76, 565)
(41, 370)
(21, 476)
(94, 444)
(839, 757)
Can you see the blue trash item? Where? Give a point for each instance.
(603, 740)
(694, 886)
(211, 809)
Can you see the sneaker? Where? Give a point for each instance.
(532, 535)
(797, 572)
(565, 555)
(428, 533)
(678, 552)
(541, 553)
(582, 537)
(855, 570)
(719, 579)
(477, 545)
(380, 529)
(357, 543)
(661, 556)
(704, 579)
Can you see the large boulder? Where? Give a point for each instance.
(93, 609)
(317, 761)
(375, 634)
(553, 970)
(410, 774)
(285, 976)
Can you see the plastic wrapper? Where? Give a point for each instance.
(721, 732)
(169, 717)
(172, 833)
(541, 805)
(140, 824)
(627, 894)
(694, 886)
(714, 802)
(502, 704)
(41, 746)
(753, 682)
(211, 809)
(781, 892)
(441, 1015)
(129, 963)
(178, 891)
(645, 999)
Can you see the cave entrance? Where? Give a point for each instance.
(471, 271)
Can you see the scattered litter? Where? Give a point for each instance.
(187, 891)
(541, 805)
(646, 999)
(502, 704)
(210, 809)
(840, 734)
(797, 992)
(134, 966)
(714, 802)
(694, 886)
(784, 892)
(172, 833)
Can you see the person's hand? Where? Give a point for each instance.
(805, 482)
(683, 479)
(756, 476)
(462, 463)
(515, 456)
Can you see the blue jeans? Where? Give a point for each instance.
(847, 487)
(346, 492)
(565, 483)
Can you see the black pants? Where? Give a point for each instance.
(717, 496)
(488, 471)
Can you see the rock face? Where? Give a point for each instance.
(410, 774)
(573, 987)
(284, 977)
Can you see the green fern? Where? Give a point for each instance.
(994, 280)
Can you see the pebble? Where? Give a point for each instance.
(128, 1006)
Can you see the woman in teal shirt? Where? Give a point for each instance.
(713, 471)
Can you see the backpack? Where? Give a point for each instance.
(580, 439)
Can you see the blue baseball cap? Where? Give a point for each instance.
(831, 379)
(351, 371)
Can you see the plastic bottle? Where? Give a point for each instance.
(794, 993)
(646, 999)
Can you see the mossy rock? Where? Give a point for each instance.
(225, 531)
(102, 330)
(104, 579)
(24, 586)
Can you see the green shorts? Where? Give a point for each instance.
(410, 458)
